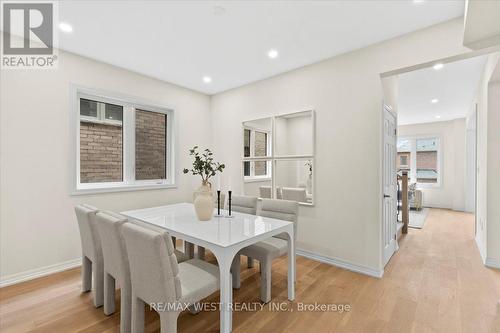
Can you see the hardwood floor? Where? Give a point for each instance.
(435, 283)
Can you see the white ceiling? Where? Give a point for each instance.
(454, 86)
(180, 42)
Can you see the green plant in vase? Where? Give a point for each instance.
(206, 168)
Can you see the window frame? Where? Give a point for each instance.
(129, 104)
(413, 158)
(252, 158)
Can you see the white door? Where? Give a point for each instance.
(389, 181)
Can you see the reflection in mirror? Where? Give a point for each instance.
(294, 180)
(294, 134)
(257, 138)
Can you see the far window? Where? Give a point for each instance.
(420, 158)
(122, 144)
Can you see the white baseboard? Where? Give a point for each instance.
(492, 263)
(341, 263)
(39, 272)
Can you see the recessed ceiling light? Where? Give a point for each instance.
(272, 53)
(418, 1)
(438, 66)
(438, 116)
(434, 100)
(65, 27)
(219, 10)
(207, 79)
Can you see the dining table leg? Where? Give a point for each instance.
(291, 265)
(224, 260)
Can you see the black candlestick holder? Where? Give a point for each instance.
(229, 201)
(218, 204)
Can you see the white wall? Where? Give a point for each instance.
(38, 225)
(493, 172)
(484, 148)
(346, 92)
(451, 192)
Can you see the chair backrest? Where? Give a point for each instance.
(113, 245)
(265, 191)
(154, 269)
(282, 210)
(89, 236)
(294, 193)
(244, 204)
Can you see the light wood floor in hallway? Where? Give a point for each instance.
(435, 283)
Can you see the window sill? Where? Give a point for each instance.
(257, 179)
(120, 188)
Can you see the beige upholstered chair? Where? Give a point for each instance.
(116, 266)
(294, 194)
(244, 204)
(266, 251)
(181, 256)
(248, 205)
(157, 278)
(265, 191)
(92, 261)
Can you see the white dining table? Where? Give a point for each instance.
(224, 237)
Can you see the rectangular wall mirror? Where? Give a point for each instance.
(278, 157)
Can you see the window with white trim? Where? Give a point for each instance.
(122, 144)
(422, 157)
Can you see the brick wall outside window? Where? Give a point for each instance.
(101, 153)
(260, 150)
(427, 160)
(150, 145)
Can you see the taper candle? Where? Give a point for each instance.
(218, 202)
(229, 200)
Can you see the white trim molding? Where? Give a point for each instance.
(39, 272)
(341, 263)
(492, 263)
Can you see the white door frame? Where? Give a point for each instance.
(384, 260)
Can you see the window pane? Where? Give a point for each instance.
(150, 145)
(260, 168)
(113, 112)
(101, 148)
(427, 166)
(260, 143)
(88, 108)
(246, 143)
(246, 169)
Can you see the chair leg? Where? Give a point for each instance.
(86, 274)
(235, 272)
(201, 253)
(249, 262)
(125, 308)
(109, 294)
(265, 280)
(98, 288)
(137, 314)
(168, 322)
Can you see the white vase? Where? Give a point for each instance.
(204, 202)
